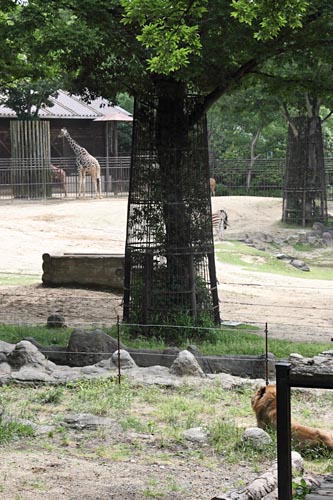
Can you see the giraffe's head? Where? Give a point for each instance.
(63, 132)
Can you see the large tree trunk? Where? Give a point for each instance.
(169, 247)
(304, 196)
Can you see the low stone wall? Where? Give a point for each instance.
(105, 270)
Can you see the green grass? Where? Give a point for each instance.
(240, 340)
(11, 431)
(164, 413)
(15, 279)
(237, 254)
(43, 334)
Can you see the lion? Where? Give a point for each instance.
(264, 405)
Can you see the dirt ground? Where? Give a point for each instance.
(295, 308)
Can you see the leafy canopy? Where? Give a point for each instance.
(109, 46)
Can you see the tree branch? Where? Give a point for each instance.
(219, 91)
(289, 119)
(308, 106)
(327, 116)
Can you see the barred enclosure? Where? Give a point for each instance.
(28, 178)
(170, 267)
(232, 177)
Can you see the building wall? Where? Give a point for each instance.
(87, 133)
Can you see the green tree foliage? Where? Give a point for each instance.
(247, 124)
(26, 97)
(170, 48)
(28, 78)
(109, 46)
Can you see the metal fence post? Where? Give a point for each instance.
(283, 429)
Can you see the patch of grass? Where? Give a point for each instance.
(251, 259)
(227, 340)
(42, 334)
(101, 396)
(12, 431)
(7, 279)
(154, 490)
(51, 395)
(303, 247)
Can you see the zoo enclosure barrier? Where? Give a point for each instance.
(286, 378)
(30, 179)
(264, 177)
(234, 177)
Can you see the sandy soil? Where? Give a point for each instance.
(296, 308)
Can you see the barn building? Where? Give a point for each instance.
(94, 126)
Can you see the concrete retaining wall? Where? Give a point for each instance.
(96, 270)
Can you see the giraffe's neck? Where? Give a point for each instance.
(74, 145)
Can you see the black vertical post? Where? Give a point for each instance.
(118, 341)
(266, 355)
(283, 428)
(148, 278)
(213, 288)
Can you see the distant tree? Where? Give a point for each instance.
(249, 126)
(27, 97)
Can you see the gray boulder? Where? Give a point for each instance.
(299, 264)
(186, 364)
(123, 358)
(196, 435)
(257, 438)
(25, 353)
(88, 348)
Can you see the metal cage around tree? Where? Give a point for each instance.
(169, 255)
(304, 193)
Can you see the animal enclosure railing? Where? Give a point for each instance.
(24, 178)
(233, 178)
(265, 177)
(287, 377)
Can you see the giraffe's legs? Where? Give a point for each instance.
(82, 180)
(97, 183)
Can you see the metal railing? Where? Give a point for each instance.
(30, 179)
(234, 177)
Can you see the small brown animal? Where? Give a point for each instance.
(264, 406)
(58, 175)
(212, 185)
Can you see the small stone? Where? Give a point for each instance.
(196, 434)
(257, 438)
(300, 264)
(56, 320)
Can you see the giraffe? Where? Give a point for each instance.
(85, 163)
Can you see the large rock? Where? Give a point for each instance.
(87, 348)
(124, 359)
(186, 364)
(25, 353)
